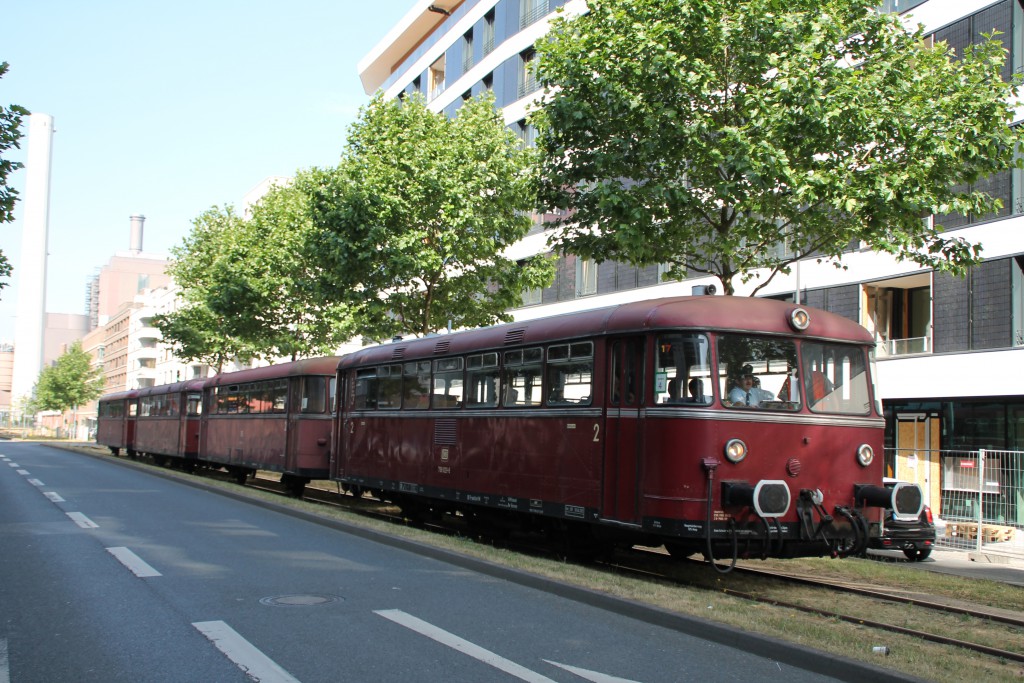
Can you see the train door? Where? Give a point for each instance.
(622, 442)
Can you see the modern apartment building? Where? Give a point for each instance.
(950, 351)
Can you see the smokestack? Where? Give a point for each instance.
(31, 270)
(136, 234)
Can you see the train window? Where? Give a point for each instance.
(390, 387)
(758, 372)
(483, 380)
(313, 395)
(278, 391)
(133, 409)
(682, 371)
(448, 386)
(570, 373)
(416, 385)
(836, 379)
(366, 389)
(522, 377)
(333, 393)
(194, 404)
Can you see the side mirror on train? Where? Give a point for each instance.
(701, 290)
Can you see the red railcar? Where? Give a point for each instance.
(637, 423)
(276, 418)
(116, 415)
(168, 421)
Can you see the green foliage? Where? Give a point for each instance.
(69, 383)
(704, 134)
(10, 134)
(411, 225)
(197, 331)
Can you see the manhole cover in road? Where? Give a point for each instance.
(299, 600)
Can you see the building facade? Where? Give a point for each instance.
(949, 351)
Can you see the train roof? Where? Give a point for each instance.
(119, 395)
(709, 313)
(326, 365)
(176, 387)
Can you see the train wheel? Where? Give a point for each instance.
(240, 474)
(160, 460)
(681, 551)
(132, 454)
(114, 450)
(295, 485)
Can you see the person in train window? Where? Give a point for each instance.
(696, 388)
(745, 393)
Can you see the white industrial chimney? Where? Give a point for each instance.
(136, 234)
(31, 270)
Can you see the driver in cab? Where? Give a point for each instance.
(745, 393)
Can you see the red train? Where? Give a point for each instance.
(274, 418)
(725, 425)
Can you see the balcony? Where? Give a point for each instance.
(888, 348)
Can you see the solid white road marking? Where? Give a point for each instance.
(36, 482)
(463, 646)
(254, 663)
(53, 496)
(82, 521)
(5, 667)
(136, 564)
(594, 676)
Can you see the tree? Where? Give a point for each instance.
(196, 330)
(704, 134)
(268, 292)
(411, 225)
(10, 134)
(72, 381)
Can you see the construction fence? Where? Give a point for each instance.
(976, 496)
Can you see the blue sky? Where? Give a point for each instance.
(166, 109)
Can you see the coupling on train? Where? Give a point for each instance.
(730, 426)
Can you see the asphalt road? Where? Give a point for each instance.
(110, 573)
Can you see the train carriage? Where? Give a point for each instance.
(638, 423)
(276, 418)
(168, 421)
(116, 417)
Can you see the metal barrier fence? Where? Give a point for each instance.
(977, 496)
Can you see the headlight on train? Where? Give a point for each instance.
(735, 450)
(865, 455)
(799, 319)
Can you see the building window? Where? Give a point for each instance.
(528, 73)
(586, 277)
(900, 315)
(526, 132)
(1017, 289)
(467, 51)
(488, 45)
(531, 11)
(435, 78)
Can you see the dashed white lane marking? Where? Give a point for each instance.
(136, 564)
(5, 667)
(593, 676)
(36, 482)
(254, 663)
(53, 496)
(82, 521)
(24, 473)
(12, 464)
(463, 646)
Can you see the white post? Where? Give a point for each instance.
(981, 496)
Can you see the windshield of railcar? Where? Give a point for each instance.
(836, 379)
(758, 373)
(682, 374)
